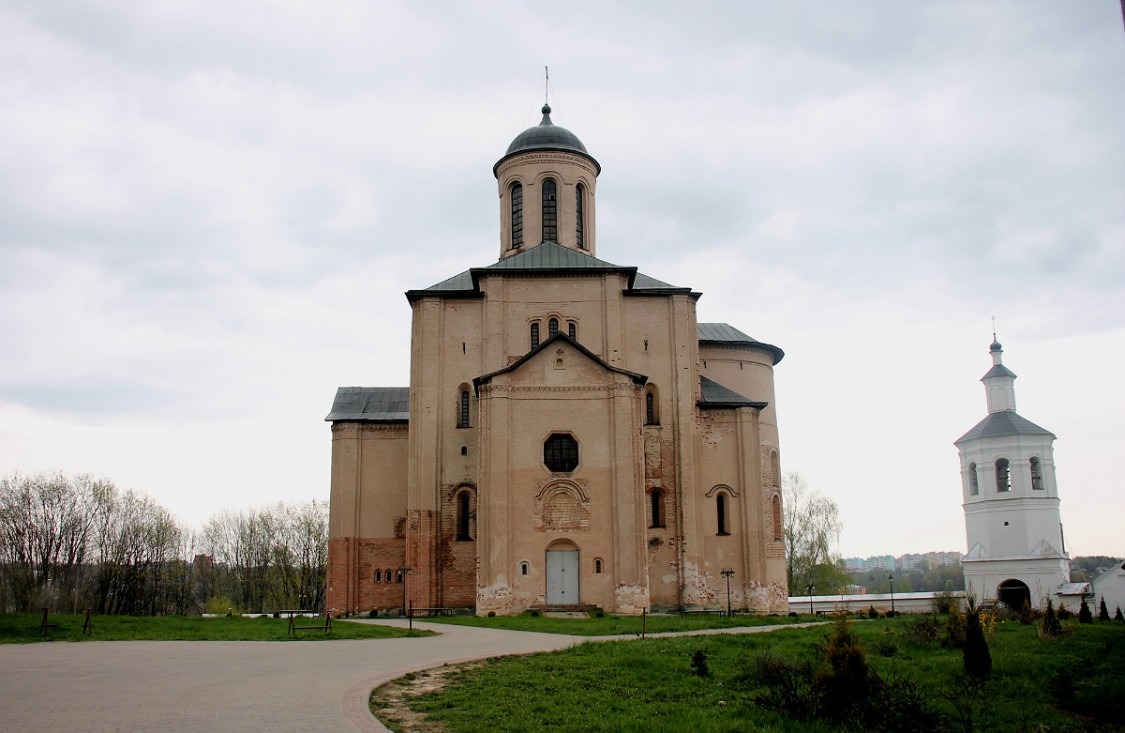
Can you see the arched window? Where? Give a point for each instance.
(580, 226)
(1036, 475)
(597, 566)
(1003, 475)
(517, 215)
(535, 335)
(974, 482)
(778, 530)
(550, 212)
(463, 413)
(775, 469)
(378, 576)
(552, 327)
(572, 330)
(387, 575)
(524, 568)
(721, 512)
(463, 516)
(656, 501)
(398, 575)
(652, 406)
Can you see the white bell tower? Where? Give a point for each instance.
(1011, 501)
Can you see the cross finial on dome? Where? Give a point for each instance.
(995, 346)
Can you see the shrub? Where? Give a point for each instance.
(373, 613)
(954, 629)
(886, 647)
(978, 661)
(922, 629)
(1027, 615)
(1103, 612)
(1064, 613)
(872, 613)
(1084, 615)
(699, 663)
(944, 601)
(1050, 626)
(1119, 616)
(535, 613)
(806, 691)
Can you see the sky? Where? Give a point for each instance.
(210, 211)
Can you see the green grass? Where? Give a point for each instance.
(1063, 685)
(616, 625)
(21, 628)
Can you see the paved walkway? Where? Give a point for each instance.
(202, 686)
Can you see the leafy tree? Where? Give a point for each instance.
(812, 526)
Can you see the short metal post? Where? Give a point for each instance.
(43, 625)
(644, 621)
(410, 616)
(88, 627)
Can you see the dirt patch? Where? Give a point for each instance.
(391, 702)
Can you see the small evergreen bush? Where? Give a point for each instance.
(978, 660)
(871, 612)
(1084, 615)
(699, 663)
(1119, 616)
(1050, 626)
(1064, 613)
(1103, 611)
(954, 629)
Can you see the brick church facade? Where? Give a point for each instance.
(571, 435)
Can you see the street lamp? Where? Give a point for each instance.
(811, 589)
(404, 570)
(891, 579)
(728, 573)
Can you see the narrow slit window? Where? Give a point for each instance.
(721, 513)
(535, 335)
(463, 414)
(656, 499)
(778, 530)
(550, 212)
(572, 330)
(650, 409)
(580, 225)
(517, 215)
(524, 568)
(463, 516)
(598, 566)
(974, 482)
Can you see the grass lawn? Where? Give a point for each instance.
(615, 625)
(1058, 685)
(21, 628)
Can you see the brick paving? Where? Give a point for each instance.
(204, 686)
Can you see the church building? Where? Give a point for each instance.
(1011, 503)
(571, 437)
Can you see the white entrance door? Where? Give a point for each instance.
(562, 577)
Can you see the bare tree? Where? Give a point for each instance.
(812, 527)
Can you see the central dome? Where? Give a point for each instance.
(546, 136)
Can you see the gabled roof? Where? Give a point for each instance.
(560, 336)
(371, 404)
(1003, 424)
(715, 396)
(728, 335)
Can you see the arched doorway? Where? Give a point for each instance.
(1013, 593)
(562, 574)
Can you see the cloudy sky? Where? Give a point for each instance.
(209, 212)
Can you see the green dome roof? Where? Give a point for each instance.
(546, 136)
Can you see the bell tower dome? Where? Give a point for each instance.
(546, 182)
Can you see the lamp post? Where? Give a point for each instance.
(728, 573)
(404, 570)
(891, 579)
(811, 589)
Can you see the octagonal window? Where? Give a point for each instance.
(560, 453)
